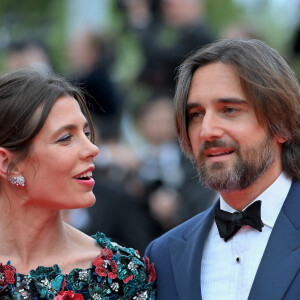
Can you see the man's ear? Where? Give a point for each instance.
(280, 140)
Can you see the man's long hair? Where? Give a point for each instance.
(268, 82)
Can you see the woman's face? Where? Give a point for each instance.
(59, 167)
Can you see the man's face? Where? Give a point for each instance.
(231, 149)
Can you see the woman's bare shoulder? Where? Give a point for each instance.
(83, 251)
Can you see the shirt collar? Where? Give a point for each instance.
(272, 199)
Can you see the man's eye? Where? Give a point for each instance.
(230, 110)
(195, 115)
(65, 138)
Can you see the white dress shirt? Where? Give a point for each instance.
(228, 268)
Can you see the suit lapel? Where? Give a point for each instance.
(186, 255)
(281, 259)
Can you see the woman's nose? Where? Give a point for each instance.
(90, 149)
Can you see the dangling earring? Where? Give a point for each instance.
(20, 180)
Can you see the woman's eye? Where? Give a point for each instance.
(88, 133)
(65, 138)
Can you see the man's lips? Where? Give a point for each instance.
(218, 151)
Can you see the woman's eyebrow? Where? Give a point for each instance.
(70, 127)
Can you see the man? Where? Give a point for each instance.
(237, 108)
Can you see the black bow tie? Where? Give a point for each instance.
(230, 223)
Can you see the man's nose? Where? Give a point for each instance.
(211, 128)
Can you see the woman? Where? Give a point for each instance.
(46, 165)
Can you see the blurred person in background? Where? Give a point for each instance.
(159, 168)
(89, 54)
(139, 14)
(156, 36)
(243, 30)
(27, 53)
(179, 29)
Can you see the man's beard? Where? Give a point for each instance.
(250, 164)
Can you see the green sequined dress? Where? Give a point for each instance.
(116, 273)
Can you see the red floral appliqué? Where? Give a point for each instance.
(130, 277)
(150, 268)
(68, 295)
(7, 275)
(104, 264)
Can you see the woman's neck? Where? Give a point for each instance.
(28, 233)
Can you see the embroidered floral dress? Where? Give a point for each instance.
(116, 273)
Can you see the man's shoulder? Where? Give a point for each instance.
(182, 231)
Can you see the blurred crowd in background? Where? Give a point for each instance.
(144, 185)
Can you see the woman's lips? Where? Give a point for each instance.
(89, 181)
(85, 177)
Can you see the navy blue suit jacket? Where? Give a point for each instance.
(177, 256)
